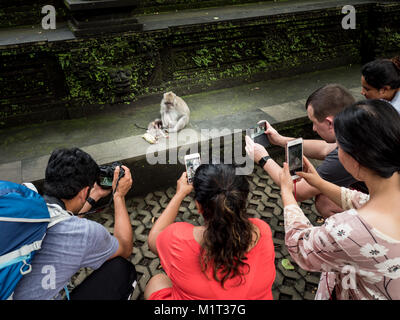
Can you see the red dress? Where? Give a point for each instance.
(179, 254)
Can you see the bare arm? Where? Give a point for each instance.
(256, 151)
(171, 211)
(122, 225)
(286, 183)
(315, 149)
(96, 194)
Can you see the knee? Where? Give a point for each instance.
(156, 283)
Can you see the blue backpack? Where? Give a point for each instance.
(24, 219)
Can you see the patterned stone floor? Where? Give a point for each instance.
(264, 203)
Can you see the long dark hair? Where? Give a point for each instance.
(369, 131)
(382, 72)
(228, 235)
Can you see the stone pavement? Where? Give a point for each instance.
(264, 203)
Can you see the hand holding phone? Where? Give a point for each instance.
(294, 157)
(310, 174)
(182, 186)
(257, 134)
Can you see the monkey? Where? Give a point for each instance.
(174, 112)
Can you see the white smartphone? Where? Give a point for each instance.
(192, 162)
(294, 157)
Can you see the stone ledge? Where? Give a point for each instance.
(78, 5)
(289, 118)
(134, 151)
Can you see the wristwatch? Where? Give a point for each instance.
(263, 161)
(91, 201)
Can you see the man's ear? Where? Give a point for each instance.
(83, 194)
(329, 120)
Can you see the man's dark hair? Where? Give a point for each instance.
(369, 131)
(68, 172)
(329, 100)
(382, 72)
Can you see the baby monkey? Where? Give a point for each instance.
(174, 112)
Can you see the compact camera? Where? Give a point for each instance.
(106, 175)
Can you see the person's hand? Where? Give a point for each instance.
(286, 180)
(182, 186)
(254, 150)
(97, 192)
(310, 174)
(124, 184)
(273, 136)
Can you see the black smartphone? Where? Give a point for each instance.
(257, 134)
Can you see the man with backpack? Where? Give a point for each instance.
(72, 242)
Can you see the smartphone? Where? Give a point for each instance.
(192, 162)
(257, 134)
(294, 157)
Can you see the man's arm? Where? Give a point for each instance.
(256, 151)
(122, 225)
(96, 194)
(314, 149)
(304, 191)
(168, 216)
(317, 149)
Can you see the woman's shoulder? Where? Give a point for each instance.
(181, 230)
(262, 225)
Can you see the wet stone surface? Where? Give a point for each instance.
(264, 203)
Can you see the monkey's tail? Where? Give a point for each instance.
(140, 126)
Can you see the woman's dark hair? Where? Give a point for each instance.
(369, 131)
(223, 197)
(68, 172)
(382, 72)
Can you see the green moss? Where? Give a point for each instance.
(187, 58)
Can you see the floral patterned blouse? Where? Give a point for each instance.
(355, 259)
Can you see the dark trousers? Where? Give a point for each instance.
(114, 280)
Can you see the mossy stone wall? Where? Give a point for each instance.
(56, 80)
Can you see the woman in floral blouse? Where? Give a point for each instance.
(358, 250)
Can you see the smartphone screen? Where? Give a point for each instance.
(295, 158)
(191, 166)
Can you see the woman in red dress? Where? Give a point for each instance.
(230, 257)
